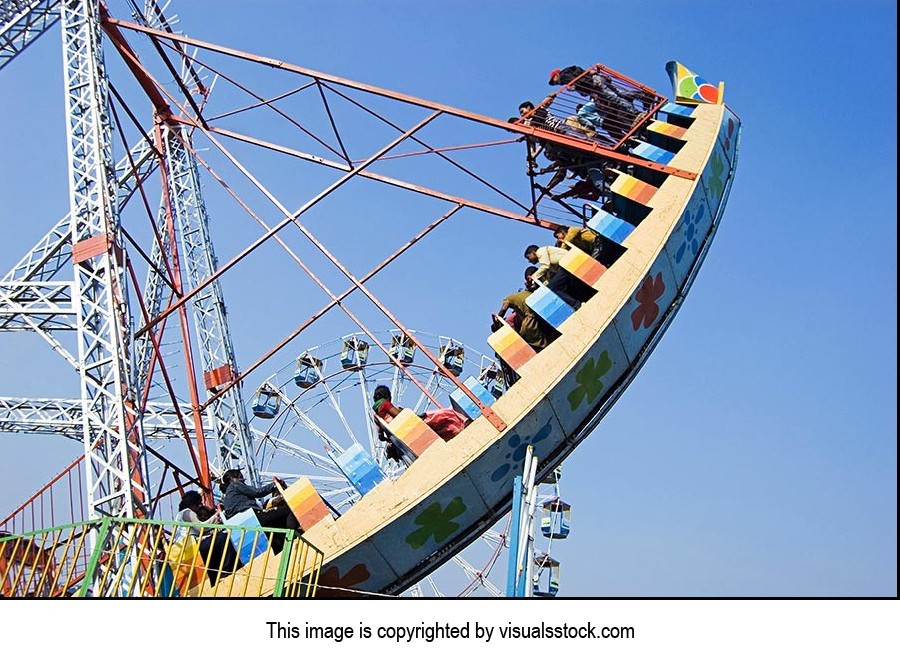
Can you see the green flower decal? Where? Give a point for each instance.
(717, 184)
(588, 378)
(437, 522)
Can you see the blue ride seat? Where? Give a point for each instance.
(675, 108)
(556, 518)
(453, 356)
(308, 371)
(402, 348)
(267, 402)
(359, 468)
(248, 542)
(654, 153)
(491, 377)
(610, 226)
(545, 579)
(549, 306)
(354, 353)
(465, 405)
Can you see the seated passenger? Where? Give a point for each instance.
(445, 422)
(572, 290)
(240, 497)
(566, 163)
(585, 239)
(617, 102)
(582, 190)
(533, 329)
(588, 113)
(218, 555)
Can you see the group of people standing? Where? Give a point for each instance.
(609, 109)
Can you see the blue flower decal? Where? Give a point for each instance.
(691, 233)
(517, 449)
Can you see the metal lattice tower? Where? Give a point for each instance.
(113, 417)
(23, 21)
(229, 416)
(112, 434)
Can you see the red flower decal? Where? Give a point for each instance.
(650, 290)
(331, 583)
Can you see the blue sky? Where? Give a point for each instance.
(756, 452)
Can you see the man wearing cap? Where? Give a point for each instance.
(585, 239)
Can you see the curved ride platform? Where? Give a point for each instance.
(402, 529)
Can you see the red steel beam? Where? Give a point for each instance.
(531, 131)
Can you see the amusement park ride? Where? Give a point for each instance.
(129, 291)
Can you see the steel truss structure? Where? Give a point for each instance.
(93, 304)
(81, 279)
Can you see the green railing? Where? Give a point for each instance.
(115, 557)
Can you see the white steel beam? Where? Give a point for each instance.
(23, 21)
(232, 429)
(62, 416)
(113, 439)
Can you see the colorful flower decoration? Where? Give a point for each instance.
(650, 290)
(518, 447)
(331, 582)
(588, 379)
(730, 133)
(692, 217)
(436, 521)
(717, 181)
(691, 87)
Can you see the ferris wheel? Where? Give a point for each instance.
(313, 418)
(279, 188)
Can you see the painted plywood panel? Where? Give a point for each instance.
(714, 177)
(430, 524)
(588, 380)
(729, 135)
(643, 311)
(493, 472)
(363, 568)
(685, 241)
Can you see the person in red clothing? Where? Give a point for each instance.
(446, 422)
(386, 411)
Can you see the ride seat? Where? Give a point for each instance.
(511, 347)
(609, 226)
(666, 135)
(650, 152)
(411, 432)
(549, 306)
(581, 265)
(303, 500)
(359, 468)
(248, 542)
(465, 405)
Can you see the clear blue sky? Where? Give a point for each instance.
(756, 452)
